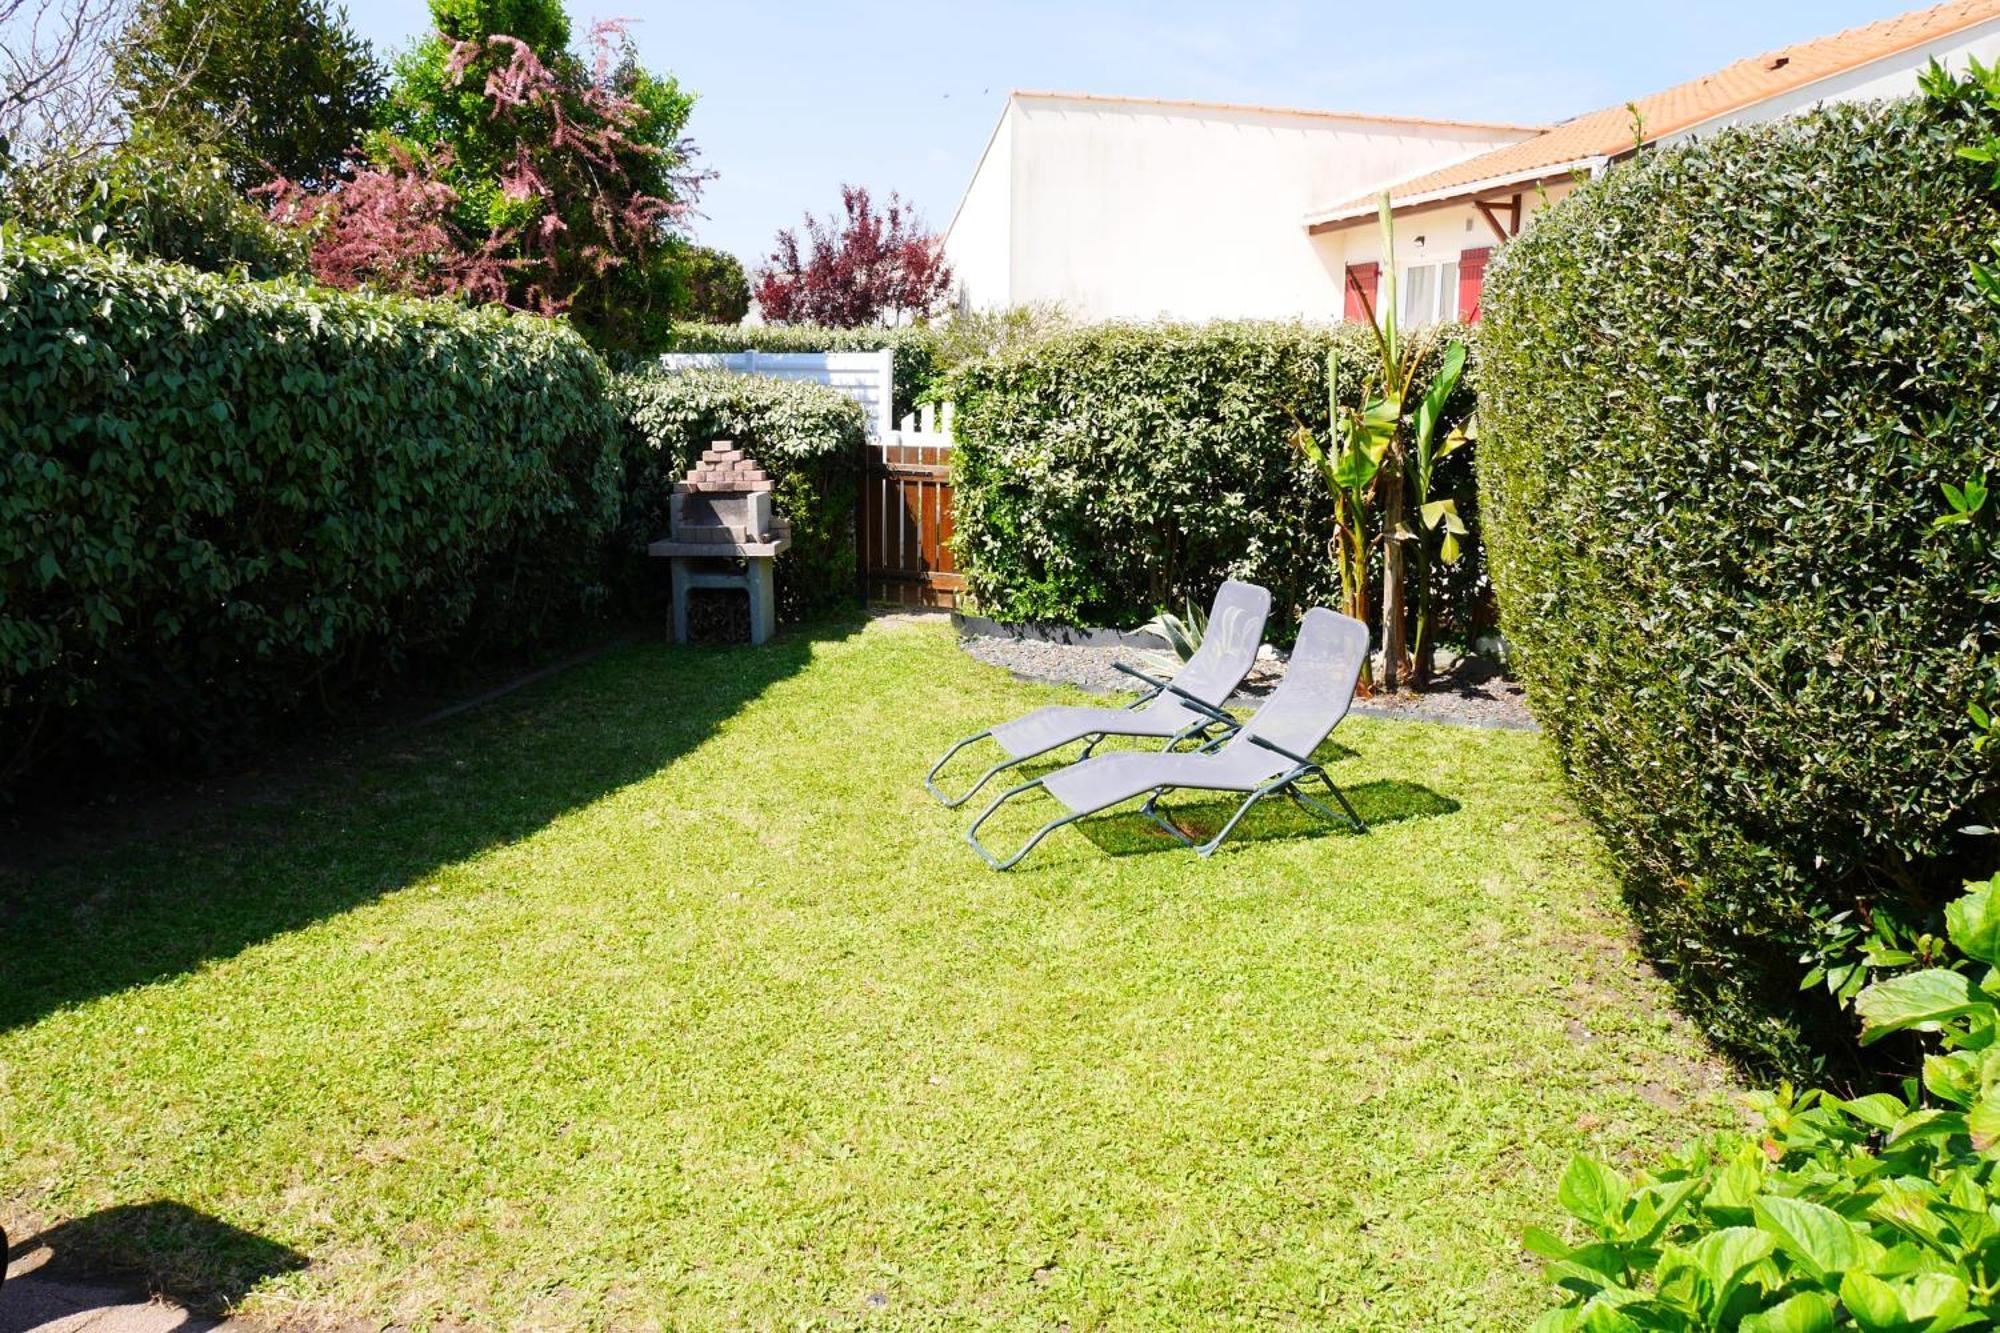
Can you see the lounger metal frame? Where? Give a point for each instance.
(1286, 782)
(1213, 718)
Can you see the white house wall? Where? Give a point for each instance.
(979, 239)
(1137, 210)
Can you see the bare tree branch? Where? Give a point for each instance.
(60, 99)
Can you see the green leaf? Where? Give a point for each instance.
(1982, 1122)
(1973, 923)
(1726, 1256)
(1807, 1312)
(1918, 1000)
(1821, 1240)
(1880, 1110)
(1593, 1193)
(1871, 1301)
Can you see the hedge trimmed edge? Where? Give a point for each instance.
(1107, 472)
(1722, 389)
(221, 499)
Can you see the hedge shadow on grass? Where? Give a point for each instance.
(404, 806)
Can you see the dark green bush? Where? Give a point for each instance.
(157, 197)
(220, 500)
(1109, 471)
(1721, 390)
(915, 347)
(807, 436)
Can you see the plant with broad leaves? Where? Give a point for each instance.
(1878, 1213)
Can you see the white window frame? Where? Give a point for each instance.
(1443, 303)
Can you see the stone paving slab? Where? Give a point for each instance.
(33, 1304)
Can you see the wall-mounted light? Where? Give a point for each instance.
(1420, 242)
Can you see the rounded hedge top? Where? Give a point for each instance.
(1722, 389)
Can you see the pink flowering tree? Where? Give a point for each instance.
(866, 268)
(512, 171)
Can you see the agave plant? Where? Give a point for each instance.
(1183, 632)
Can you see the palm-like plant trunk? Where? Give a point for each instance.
(1394, 644)
(1424, 665)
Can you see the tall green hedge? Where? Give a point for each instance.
(1109, 471)
(915, 348)
(807, 436)
(1721, 390)
(220, 500)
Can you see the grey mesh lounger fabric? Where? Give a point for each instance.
(1189, 705)
(1269, 754)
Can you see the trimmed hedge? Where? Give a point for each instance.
(1107, 472)
(807, 436)
(918, 372)
(220, 499)
(1722, 390)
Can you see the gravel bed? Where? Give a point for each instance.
(1469, 691)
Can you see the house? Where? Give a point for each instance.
(1125, 207)
(1086, 200)
(1450, 220)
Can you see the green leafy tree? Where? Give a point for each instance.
(571, 173)
(274, 87)
(717, 290)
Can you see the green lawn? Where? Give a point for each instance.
(659, 994)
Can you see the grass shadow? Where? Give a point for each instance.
(165, 1247)
(1274, 819)
(406, 804)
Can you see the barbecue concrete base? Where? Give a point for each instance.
(753, 577)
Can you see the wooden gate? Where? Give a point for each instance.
(905, 519)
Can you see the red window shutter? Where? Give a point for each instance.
(1361, 280)
(1471, 281)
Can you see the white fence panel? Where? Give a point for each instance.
(869, 378)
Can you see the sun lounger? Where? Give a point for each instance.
(1268, 755)
(1187, 707)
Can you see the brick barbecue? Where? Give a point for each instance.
(722, 533)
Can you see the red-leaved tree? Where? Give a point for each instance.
(578, 192)
(872, 268)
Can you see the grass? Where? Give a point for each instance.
(659, 994)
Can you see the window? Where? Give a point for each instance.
(1430, 293)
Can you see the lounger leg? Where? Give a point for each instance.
(1338, 795)
(1151, 809)
(998, 863)
(951, 802)
(1208, 848)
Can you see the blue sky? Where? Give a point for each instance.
(798, 97)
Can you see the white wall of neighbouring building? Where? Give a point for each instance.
(1129, 209)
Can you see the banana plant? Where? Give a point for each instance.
(1439, 525)
(1361, 439)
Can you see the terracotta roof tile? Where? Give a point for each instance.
(1610, 131)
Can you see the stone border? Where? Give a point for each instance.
(967, 624)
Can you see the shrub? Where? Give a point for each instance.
(807, 436)
(1875, 1213)
(155, 197)
(1115, 469)
(221, 499)
(917, 370)
(1721, 391)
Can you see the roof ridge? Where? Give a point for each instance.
(1741, 83)
(1371, 117)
